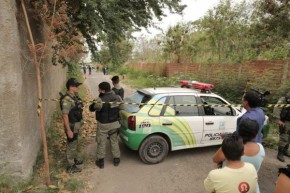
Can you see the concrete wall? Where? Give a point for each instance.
(20, 136)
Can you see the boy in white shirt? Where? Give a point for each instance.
(237, 176)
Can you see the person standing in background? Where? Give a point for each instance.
(84, 69)
(90, 69)
(250, 101)
(118, 90)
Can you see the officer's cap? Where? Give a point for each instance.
(72, 82)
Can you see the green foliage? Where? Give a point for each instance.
(148, 50)
(112, 21)
(231, 90)
(124, 48)
(228, 34)
(174, 40)
(271, 21)
(276, 51)
(271, 141)
(224, 33)
(74, 71)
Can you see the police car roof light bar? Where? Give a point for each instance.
(204, 87)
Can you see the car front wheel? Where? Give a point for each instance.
(153, 149)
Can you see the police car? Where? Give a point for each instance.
(158, 120)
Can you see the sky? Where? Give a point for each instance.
(195, 10)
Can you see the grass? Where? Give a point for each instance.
(5, 183)
(74, 185)
(271, 141)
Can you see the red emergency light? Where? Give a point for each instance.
(201, 85)
(196, 84)
(187, 83)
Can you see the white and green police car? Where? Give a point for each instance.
(158, 120)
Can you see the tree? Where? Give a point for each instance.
(125, 50)
(226, 30)
(272, 23)
(174, 41)
(66, 42)
(147, 50)
(111, 20)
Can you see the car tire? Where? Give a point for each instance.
(153, 150)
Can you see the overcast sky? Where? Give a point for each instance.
(195, 9)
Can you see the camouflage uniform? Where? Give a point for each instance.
(72, 153)
(105, 130)
(284, 134)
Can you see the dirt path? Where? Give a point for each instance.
(182, 171)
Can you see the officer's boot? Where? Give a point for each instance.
(73, 169)
(285, 150)
(280, 155)
(116, 161)
(100, 163)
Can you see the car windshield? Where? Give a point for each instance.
(137, 97)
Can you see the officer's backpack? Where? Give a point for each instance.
(76, 113)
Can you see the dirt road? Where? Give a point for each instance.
(182, 171)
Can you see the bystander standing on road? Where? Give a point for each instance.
(84, 69)
(104, 70)
(90, 69)
(250, 101)
(254, 153)
(237, 176)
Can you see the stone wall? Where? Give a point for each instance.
(20, 135)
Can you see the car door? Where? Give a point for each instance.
(217, 119)
(183, 121)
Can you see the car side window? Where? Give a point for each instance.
(212, 110)
(170, 109)
(156, 109)
(183, 106)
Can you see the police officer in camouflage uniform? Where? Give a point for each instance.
(107, 116)
(71, 106)
(283, 115)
